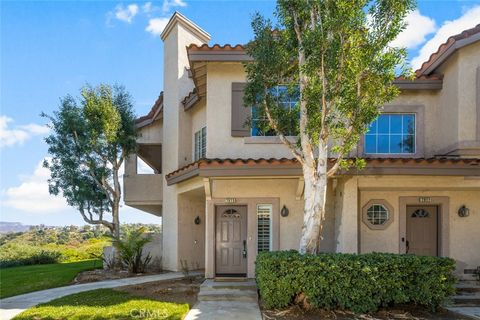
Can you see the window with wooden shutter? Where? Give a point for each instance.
(264, 227)
(200, 141)
(240, 113)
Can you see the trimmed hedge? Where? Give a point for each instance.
(360, 283)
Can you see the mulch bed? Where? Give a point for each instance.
(178, 291)
(399, 312)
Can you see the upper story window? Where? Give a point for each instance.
(200, 141)
(287, 100)
(392, 133)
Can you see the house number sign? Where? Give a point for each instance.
(424, 199)
(230, 200)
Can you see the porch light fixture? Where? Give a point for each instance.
(284, 211)
(197, 220)
(463, 211)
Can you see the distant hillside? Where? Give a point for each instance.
(6, 227)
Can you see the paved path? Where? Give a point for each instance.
(222, 300)
(471, 312)
(10, 307)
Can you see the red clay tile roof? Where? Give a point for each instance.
(156, 109)
(443, 48)
(190, 99)
(272, 162)
(420, 73)
(225, 47)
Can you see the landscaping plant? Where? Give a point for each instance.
(130, 249)
(90, 140)
(335, 57)
(360, 283)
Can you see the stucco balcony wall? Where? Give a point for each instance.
(144, 189)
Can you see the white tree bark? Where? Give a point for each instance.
(314, 197)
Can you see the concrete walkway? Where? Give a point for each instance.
(218, 300)
(10, 307)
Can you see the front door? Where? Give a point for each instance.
(422, 228)
(231, 241)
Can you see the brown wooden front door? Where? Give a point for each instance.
(231, 241)
(422, 230)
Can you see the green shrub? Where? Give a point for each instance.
(20, 254)
(130, 246)
(361, 283)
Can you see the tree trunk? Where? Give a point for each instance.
(315, 197)
(116, 215)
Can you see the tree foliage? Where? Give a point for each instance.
(336, 56)
(91, 136)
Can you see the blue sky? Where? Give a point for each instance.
(50, 49)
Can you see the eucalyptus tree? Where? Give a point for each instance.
(91, 137)
(335, 57)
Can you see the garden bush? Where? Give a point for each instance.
(13, 255)
(360, 283)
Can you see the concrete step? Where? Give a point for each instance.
(211, 290)
(228, 295)
(466, 299)
(467, 287)
(210, 284)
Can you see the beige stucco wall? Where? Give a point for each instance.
(220, 143)
(468, 63)
(191, 237)
(457, 99)
(279, 193)
(153, 133)
(461, 239)
(449, 113)
(177, 148)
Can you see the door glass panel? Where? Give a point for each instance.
(420, 213)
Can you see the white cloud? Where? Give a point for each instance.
(18, 134)
(147, 7)
(156, 25)
(126, 14)
(32, 199)
(32, 194)
(449, 28)
(418, 28)
(168, 4)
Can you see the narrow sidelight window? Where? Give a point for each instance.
(392, 133)
(200, 144)
(264, 227)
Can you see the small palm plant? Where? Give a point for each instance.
(130, 248)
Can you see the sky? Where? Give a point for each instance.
(52, 48)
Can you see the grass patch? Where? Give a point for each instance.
(103, 304)
(23, 279)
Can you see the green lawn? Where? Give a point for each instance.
(18, 280)
(103, 304)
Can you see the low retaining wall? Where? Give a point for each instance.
(154, 248)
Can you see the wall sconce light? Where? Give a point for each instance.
(463, 211)
(197, 220)
(284, 211)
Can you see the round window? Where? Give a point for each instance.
(377, 214)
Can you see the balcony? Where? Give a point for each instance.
(143, 191)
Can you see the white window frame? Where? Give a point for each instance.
(389, 134)
(200, 148)
(270, 232)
